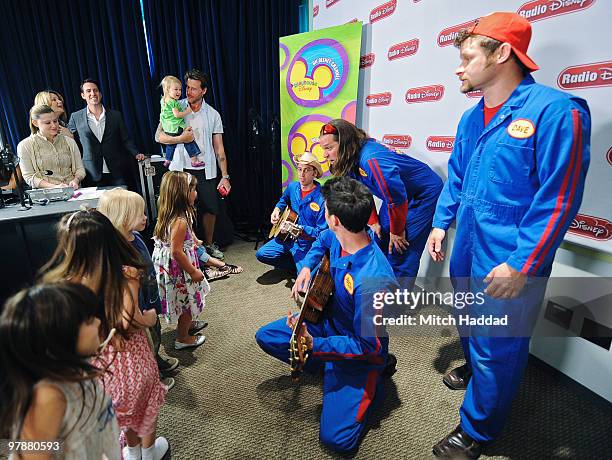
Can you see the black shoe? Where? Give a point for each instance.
(166, 365)
(458, 378)
(390, 368)
(197, 327)
(457, 445)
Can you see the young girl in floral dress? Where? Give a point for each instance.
(182, 286)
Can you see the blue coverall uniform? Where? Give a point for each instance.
(352, 363)
(514, 187)
(311, 216)
(409, 190)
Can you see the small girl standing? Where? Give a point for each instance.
(172, 119)
(126, 211)
(182, 286)
(48, 333)
(91, 252)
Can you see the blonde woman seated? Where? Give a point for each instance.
(56, 101)
(48, 158)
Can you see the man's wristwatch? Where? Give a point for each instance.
(225, 177)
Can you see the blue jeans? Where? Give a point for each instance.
(191, 147)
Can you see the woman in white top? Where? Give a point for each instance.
(48, 158)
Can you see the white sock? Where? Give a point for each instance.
(157, 450)
(132, 453)
(147, 454)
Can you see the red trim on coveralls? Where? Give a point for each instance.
(373, 217)
(368, 395)
(397, 218)
(561, 210)
(373, 357)
(382, 184)
(398, 213)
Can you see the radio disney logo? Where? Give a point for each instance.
(315, 11)
(383, 11)
(367, 60)
(399, 141)
(537, 10)
(477, 93)
(586, 76)
(595, 228)
(430, 93)
(403, 49)
(448, 35)
(440, 143)
(378, 99)
(329, 3)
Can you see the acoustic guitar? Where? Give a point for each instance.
(317, 296)
(288, 215)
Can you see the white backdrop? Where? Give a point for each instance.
(409, 96)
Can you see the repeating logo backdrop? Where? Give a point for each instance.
(319, 75)
(409, 96)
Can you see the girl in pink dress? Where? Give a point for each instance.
(91, 252)
(181, 283)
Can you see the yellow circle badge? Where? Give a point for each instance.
(521, 128)
(349, 284)
(363, 173)
(315, 207)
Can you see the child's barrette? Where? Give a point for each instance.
(108, 339)
(69, 221)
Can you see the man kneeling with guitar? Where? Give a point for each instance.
(291, 240)
(353, 363)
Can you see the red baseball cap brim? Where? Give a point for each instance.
(508, 27)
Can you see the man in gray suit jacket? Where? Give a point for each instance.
(103, 137)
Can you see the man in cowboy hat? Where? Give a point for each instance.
(304, 197)
(515, 182)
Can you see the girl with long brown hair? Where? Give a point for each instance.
(182, 285)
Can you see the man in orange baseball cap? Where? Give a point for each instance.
(515, 182)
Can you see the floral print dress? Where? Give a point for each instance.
(177, 291)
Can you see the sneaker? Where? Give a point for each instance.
(168, 382)
(166, 364)
(213, 250)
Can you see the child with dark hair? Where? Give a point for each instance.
(50, 391)
(91, 252)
